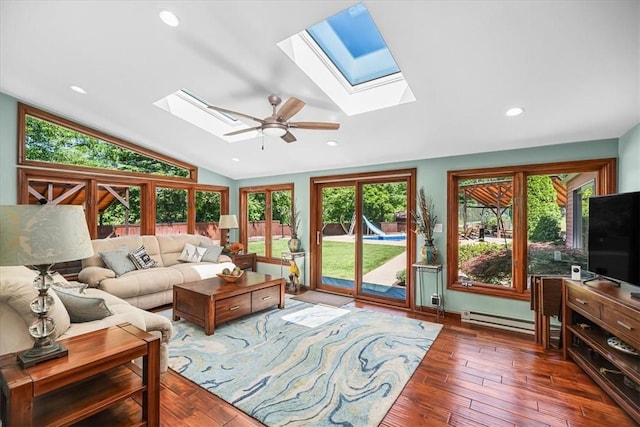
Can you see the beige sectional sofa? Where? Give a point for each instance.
(151, 287)
(17, 292)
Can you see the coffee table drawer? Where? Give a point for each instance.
(264, 298)
(233, 307)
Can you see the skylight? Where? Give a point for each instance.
(353, 43)
(193, 109)
(346, 56)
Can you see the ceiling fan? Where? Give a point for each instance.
(277, 123)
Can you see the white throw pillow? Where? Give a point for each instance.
(192, 253)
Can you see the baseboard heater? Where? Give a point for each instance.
(499, 322)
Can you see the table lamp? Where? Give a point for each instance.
(227, 222)
(41, 236)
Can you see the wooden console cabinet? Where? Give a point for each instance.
(96, 375)
(591, 314)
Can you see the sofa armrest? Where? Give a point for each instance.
(160, 324)
(94, 275)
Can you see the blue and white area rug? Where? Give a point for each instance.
(348, 371)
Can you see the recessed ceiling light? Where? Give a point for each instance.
(235, 159)
(78, 89)
(515, 111)
(332, 143)
(169, 18)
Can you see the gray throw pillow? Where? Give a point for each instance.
(82, 308)
(118, 260)
(212, 254)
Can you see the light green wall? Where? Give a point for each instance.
(629, 161)
(8, 150)
(431, 174)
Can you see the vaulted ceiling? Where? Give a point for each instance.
(573, 66)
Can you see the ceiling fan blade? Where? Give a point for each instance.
(241, 131)
(315, 125)
(291, 107)
(235, 113)
(288, 137)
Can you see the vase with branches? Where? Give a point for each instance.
(294, 223)
(425, 219)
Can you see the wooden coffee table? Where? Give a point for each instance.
(210, 302)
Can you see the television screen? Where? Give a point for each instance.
(614, 237)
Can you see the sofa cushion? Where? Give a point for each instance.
(192, 272)
(142, 282)
(133, 242)
(17, 291)
(118, 260)
(171, 246)
(212, 254)
(83, 307)
(141, 258)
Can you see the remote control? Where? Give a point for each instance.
(635, 295)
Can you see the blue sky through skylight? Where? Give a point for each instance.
(353, 43)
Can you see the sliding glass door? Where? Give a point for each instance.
(362, 246)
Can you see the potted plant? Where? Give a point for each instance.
(425, 220)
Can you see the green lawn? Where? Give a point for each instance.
(338, 257)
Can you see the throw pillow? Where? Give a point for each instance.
(191, 253)
(60, 282)
(141, 258)
(118, 260)
(82, 308)
(212, 254)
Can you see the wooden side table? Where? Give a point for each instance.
(245, 261)
(94, 376)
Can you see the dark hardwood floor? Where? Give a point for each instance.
(471, 376)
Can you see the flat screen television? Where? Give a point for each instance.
(614, 237)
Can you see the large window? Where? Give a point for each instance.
(265, 220)
(124, 189)
(48, 139)
(507, 224)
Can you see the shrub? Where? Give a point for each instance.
(467, 252)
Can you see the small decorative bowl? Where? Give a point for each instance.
(229, 278)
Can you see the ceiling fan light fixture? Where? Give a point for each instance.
(273, 130)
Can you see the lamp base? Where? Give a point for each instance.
(36, 355)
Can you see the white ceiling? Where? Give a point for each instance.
(573, 65)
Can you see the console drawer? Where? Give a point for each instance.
(623, 323)
(584, 301)
(232, 308)
(264, 298)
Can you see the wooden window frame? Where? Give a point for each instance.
(605, 170)
(26, 110)
(34, 170)
(244, 217)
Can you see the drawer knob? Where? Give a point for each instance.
(624, 325)
(581, 301)
(235, 307)
(266, 297)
